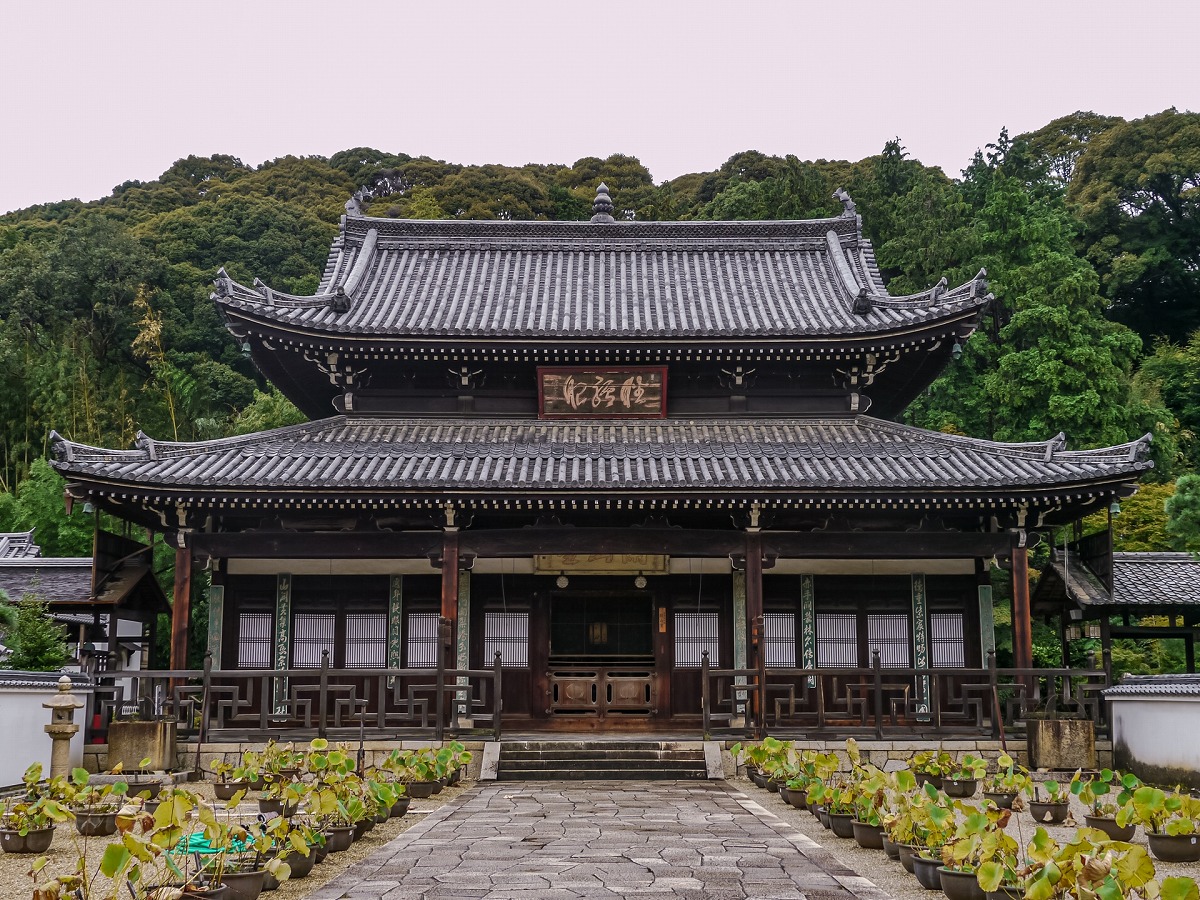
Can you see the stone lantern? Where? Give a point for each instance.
(62, 726)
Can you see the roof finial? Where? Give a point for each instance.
(602, 206)
(847, 204)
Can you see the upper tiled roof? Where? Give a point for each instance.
(18, 545)
(356, 453)
(619, 280)
(1156, 685)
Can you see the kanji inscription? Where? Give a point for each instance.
(638, 392)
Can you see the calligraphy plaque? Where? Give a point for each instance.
(632, 392)
(600, 564)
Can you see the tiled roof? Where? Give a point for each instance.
(1156, 579)
(1156, 685)
(623, 280)
(358, 453)
(50, 578)
(18, 545)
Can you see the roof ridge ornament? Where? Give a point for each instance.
(354, 205)
(602, 206)
(848, 208)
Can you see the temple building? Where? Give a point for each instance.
(610, 451)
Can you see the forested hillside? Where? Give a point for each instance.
(1089, 229)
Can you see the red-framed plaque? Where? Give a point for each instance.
(587, 392)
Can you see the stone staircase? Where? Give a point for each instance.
(642, 760)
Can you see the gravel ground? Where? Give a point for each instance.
(888, 874)
(15, 883)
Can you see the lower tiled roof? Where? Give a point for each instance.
(357, 453)
(1156, 579)
(1156, 685)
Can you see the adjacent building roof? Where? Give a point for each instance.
(54, 579)
(1156, 685)
(18, 545)
(347, 455)
(1139, 580)
(392, 278)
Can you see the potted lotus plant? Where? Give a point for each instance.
(1172, 823)
(930, 766)
(95, 806)
(1049, 802)
(979, 837)
(1109, 797)
(962, 780)
(27, 823)
(934, 823)
(1008, 781)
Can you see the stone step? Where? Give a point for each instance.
(600, 761)
(581, 755)
(633, 774)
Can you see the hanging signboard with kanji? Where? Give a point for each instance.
(636, 392)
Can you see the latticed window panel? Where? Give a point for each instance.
(508, 634)
(366, 640)
(695, 633)
(837, 640)
(779, 640)
(888, 633)
(256, 640)
(421, 649)
(312, 635)
(947, 646)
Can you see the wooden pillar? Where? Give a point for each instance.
(450, 584)
(181, 608)
(754, 612)
(1022, 627)
(754, 597)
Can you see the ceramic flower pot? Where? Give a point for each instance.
(928, 872)
(1109, 826)
(400, 807)
(959, 787)
(960, 885)
(421, 790)
(95, 824)
(890, 847)
(907, 853)
(34, 841)
(1002, 799)
(275, 806)
(1048, 813)
(243, 885)
(339, 838)
(869, 837)
(923, 779)
(1174, 847)
(224, 790)
(842, 824)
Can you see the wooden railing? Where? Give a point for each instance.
(895, 702)
(289, 704)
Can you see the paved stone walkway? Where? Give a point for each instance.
(601, 840)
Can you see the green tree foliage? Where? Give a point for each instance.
(1136, 189)
(38, 504)
(1183, 514)
(36, 642)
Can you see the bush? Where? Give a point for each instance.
(37, 643)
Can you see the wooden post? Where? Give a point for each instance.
(754, 619)
(450, 583)
(1022, 627)
(181, 608)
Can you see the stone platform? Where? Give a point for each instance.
(588, 841)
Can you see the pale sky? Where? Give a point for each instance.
(95, 93)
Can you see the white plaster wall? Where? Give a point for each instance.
(22, 719)
(1159, 731)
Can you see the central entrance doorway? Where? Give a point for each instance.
(601, 660)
